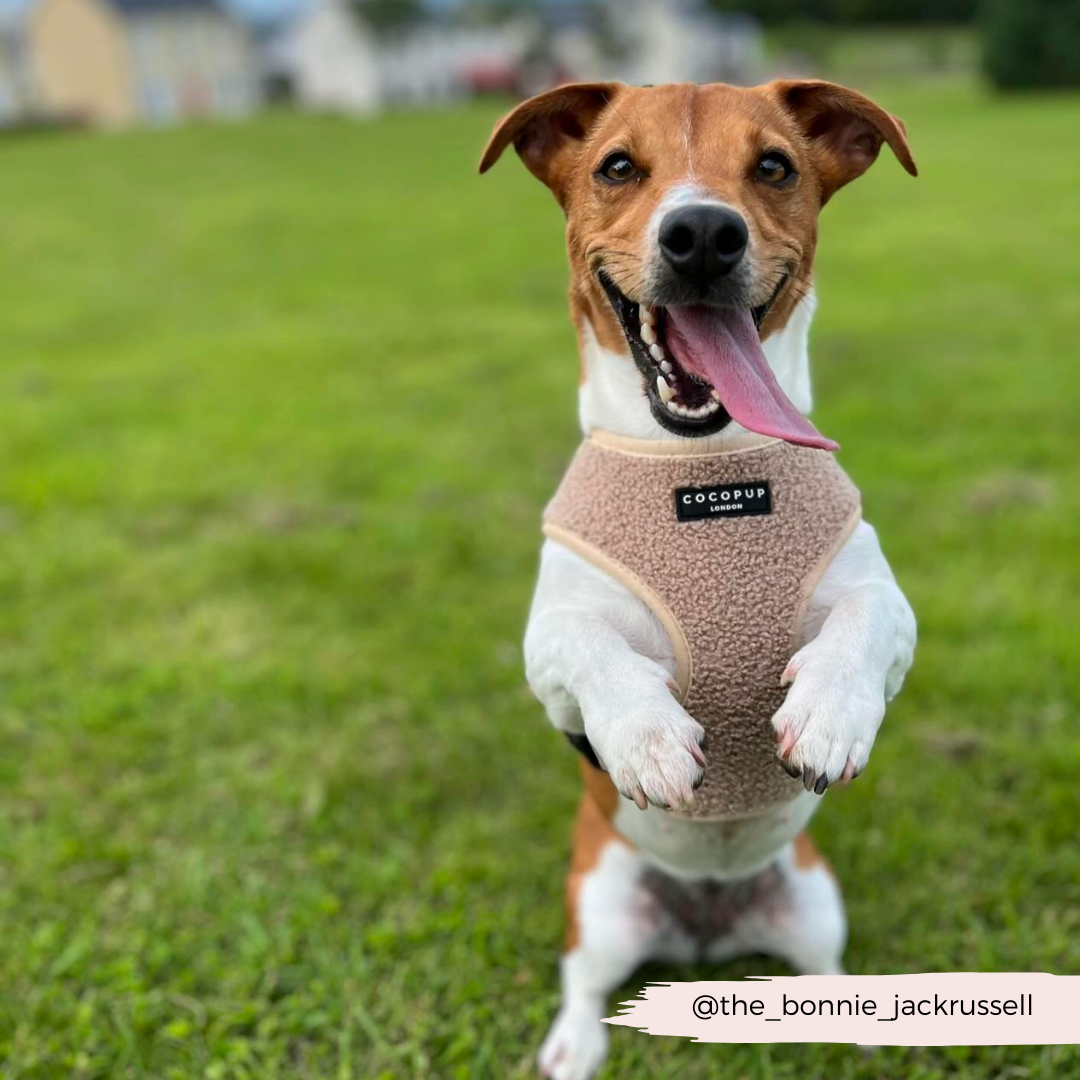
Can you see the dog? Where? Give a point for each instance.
(702, 508)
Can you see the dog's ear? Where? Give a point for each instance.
(845, 129)
(547, 130)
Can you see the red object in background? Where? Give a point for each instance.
(492, 78)
(517, 80)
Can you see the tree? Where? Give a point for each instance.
(1031, 43)
(854, 12)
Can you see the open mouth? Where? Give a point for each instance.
(703, 366)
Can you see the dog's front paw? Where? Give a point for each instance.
(829, 719)
(649, 744)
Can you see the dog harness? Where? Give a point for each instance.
(726, 550)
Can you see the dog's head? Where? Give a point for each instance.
(691, 226)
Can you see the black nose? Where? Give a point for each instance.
(703, 242)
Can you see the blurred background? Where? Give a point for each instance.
(285, 387)
(115, 62)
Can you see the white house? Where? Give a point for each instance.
(437, 62)
(327, 57)
(648, 41)
(324, 58)
(685, 42)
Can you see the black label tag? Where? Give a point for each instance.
(723, 500)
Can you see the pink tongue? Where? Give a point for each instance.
(721, 345)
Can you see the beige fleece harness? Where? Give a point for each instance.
(726, 549)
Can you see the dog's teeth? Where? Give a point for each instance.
(656, 353)
(701, 411)
(646, 316)
(665, 367)
(716, 397)
(648, 334)
(672, 407)
(662, 388)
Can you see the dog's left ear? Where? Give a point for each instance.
(844, 128)
(548, 130)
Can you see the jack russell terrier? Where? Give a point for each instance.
(714, 627)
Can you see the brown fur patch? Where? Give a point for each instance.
(807, 855)
(600, 789)
(593, 832)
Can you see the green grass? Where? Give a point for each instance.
(282, 403)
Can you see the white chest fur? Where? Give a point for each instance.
(732, 849)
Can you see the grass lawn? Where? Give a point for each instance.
(282, 403)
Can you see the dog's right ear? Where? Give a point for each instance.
(844, 129)
(547, 130)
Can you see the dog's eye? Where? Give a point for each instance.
(618, 168)
(775, 168)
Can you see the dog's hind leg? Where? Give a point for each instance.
(615, 924)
